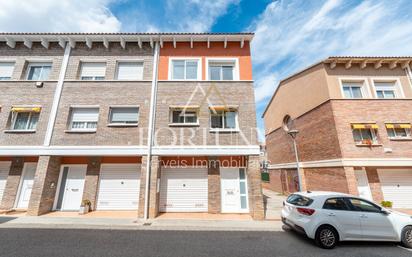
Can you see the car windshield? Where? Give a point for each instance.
(299, 200)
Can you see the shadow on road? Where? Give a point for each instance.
(6, 219)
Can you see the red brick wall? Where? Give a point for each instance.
(326, 179)
(317, 138)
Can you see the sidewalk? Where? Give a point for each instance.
(273, 204)
(133, 224)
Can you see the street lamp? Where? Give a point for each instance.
(293, 133)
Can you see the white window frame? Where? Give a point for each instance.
(407, 130)
(26, 129)
(37, 63)
(375, 140)
(199, 67)
(117, 124)
(397, 86)
(13, 62)
(116, 76)
(236, 129)
(71, 129)
(177, 124)
(236, 76)
(94, 77)
(365, 89)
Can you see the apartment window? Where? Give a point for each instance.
(365, 134)
(129, 71)
(221, 70)
(6, 70)
(182, 116)
(385, 89)
(83, 119)
(39, 71)
(185, 69)
(24, 119)
(124, 116)
(223, 118)
(352, 90)
(398, 131)
(93, 71)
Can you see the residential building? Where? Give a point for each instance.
(354, 122)
(151, 122)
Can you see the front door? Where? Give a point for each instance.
(26, 185)
(363, 184)
(233, 190)
(71, 187)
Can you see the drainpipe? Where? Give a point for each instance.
(57, 96)
(152, 117)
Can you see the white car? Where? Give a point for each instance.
(329, 217)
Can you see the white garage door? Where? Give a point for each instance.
(4, 172)
(397, 187)
(183, 190)
(119, 187)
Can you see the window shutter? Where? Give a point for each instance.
(85, 114)
(6, 69)
(93, 69)
(124, 114)
(130, 71)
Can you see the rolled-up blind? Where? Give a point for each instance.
(124, 114)
(130, 71)
(6, 69)
(93, 69)
(85, 114)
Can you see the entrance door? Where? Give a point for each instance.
(363, 184)
(26, 185)
(4, 173)
(71, 187)
(233, 190)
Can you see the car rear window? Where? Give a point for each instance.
(299, 200)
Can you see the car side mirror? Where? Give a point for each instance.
(385, 212)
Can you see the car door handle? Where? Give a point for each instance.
(364, 216)
(331, 214)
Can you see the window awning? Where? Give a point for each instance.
(364, 126)
(398, 125)
(222, 107)
(26, 109)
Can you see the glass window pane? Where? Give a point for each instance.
(391, 132)
(230, 120)
(216, 121)
(177, 117)
(242, 173)
(357, 135)
(389, 94)
(178, 69)
(190, 117)
(366, 134)
(227, 72)
(336, 204)
(347, 92)
(243, 202)
(242, 186)
(191, 70)
(356, 92)
(401, 132)
(33, 120)
(34, 73)
(21, 120)
(124, 115)
(45, 71)
(91, 125)
(360, 205)
(215, 72)
(380, 94)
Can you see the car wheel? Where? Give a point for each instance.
(407, 236)
(326, 237)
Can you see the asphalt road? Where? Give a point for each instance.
(101, 243)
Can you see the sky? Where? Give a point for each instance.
(289, 34)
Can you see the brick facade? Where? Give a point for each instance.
(374, 184)
(256, 207)
(44, 185)
(214, 187)
(91, 180)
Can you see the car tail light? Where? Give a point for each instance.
(306, 211)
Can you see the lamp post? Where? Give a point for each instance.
(293, 133)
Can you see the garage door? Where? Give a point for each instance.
(119, 187)
(183, 190)
(397, 187)
(4, 172)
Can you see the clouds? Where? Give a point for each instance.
(291, 35)
(57, 16)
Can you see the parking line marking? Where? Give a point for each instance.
(407, 249)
